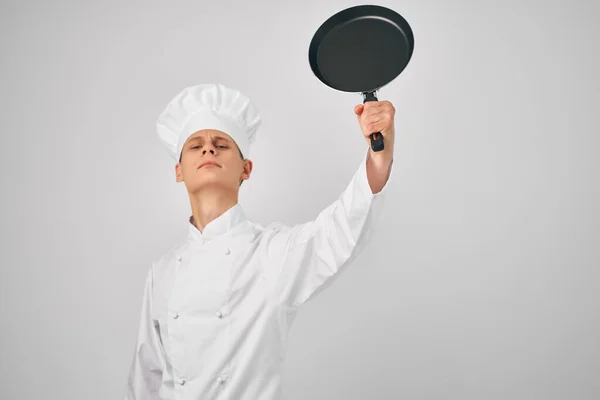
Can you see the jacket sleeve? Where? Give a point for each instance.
(307, 258)
(145, 372)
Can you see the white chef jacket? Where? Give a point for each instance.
(217, 308)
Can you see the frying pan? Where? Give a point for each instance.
(361, 49)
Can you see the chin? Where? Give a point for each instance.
(207, 182)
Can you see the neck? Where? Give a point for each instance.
(209, 205)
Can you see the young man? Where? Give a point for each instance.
(217, 307)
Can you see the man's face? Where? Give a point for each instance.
(211, 159)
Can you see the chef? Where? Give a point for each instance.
(218, 306)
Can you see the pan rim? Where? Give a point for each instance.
(355, 14)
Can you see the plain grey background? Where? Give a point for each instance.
(482, 280)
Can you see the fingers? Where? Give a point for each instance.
(376, 126)
(380, 117)
(373, 119)
(374, 106)
(378, 106)
(376, 116)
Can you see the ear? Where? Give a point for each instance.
(247, 170)
(178, 174)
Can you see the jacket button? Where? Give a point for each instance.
(182, 382)
(227, 252)
(221, 379)
(179, 258)
(219, 314)
(175, 316)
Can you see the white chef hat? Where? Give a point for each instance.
(208, 106)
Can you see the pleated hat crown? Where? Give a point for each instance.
(208, 106)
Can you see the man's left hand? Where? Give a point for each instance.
(373, 117)
(378, 116)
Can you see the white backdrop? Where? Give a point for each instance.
(482, 281)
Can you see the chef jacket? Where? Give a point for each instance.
(217, 308)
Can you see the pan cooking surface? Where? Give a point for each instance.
(362, 54)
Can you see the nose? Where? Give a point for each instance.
(209, 148)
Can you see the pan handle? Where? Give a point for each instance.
(377, 137)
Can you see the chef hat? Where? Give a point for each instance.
(208, 106)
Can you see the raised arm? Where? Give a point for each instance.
(307, 257)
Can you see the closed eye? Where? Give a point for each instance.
(218, 147)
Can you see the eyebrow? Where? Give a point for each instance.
(201, 137)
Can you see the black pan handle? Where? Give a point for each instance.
(377, 137)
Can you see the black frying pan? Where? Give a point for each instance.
(361, 49)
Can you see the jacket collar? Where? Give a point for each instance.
(218, 226)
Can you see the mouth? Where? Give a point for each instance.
(208, 164)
